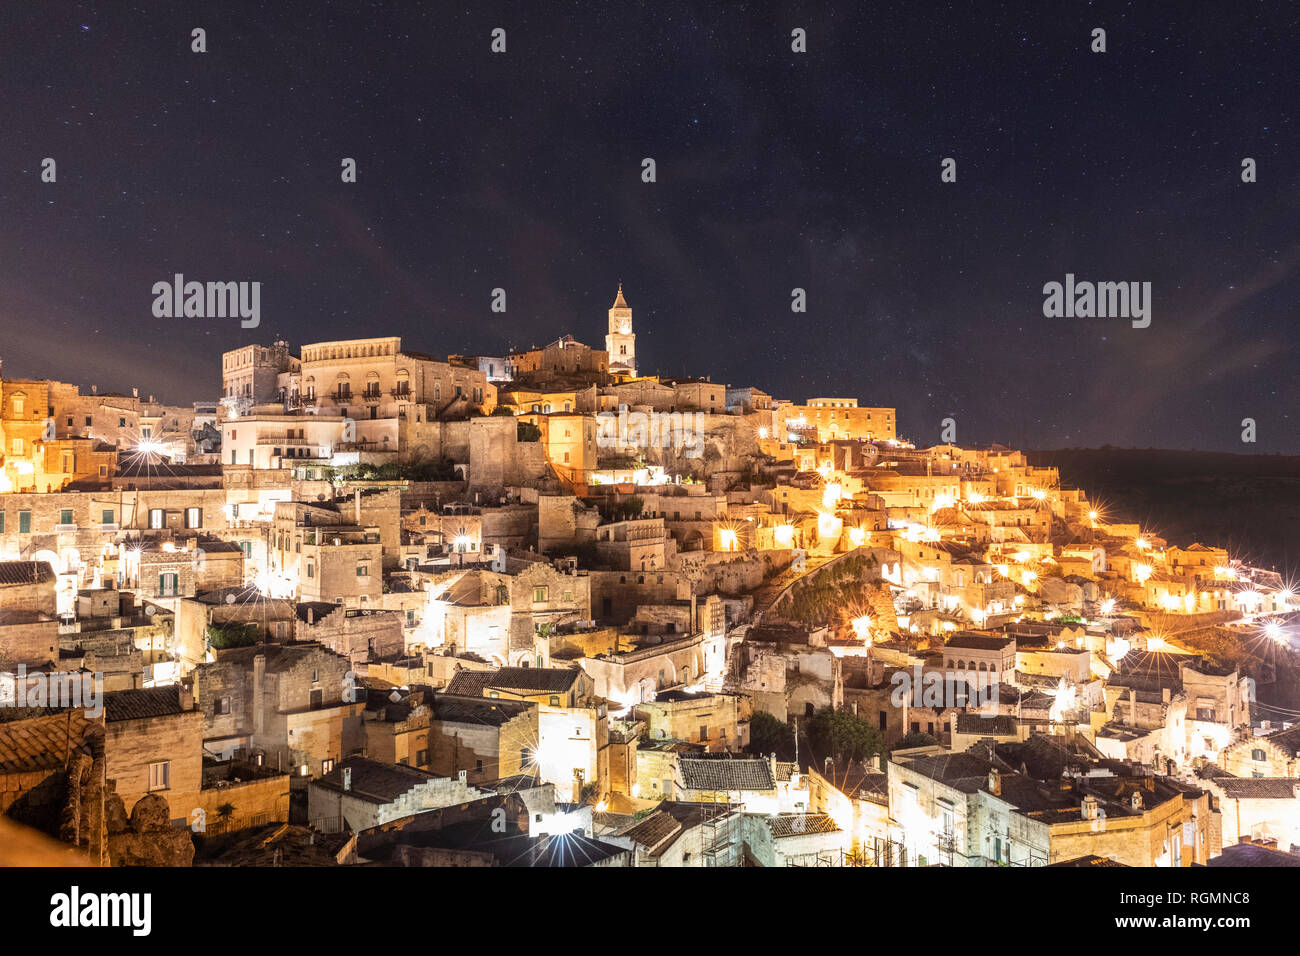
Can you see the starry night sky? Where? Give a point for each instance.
(775, 170)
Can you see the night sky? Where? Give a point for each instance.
(775, 170)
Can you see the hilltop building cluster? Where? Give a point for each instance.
(369, 604)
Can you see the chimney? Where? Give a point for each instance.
(879, 760)
(311, 615)
(1089, 808)
(259, 677)
(995, 782)
(1136, 800)
(1164, 694)
(356, 499)
(135, 393)
(347, 779)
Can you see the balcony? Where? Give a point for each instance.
(401, 394)
(283, 439)
(371, 395)
(342, 396)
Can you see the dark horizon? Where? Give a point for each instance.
(775, 170)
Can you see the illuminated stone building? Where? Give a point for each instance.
(620, 343)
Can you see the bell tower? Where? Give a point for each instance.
(620, 343)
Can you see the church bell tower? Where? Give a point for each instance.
(620, 343)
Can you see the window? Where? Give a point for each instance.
(160, 775)
(2, 522)
(89, 421)
(311, 570)
(540, 594)
(107, 516)
(168, 584)
(1257, 754)
(478, 766)
(555, 701)
(421, 757)
(24, 522)
(704, 732)
(16, 446)
(65, 516)
(121, 423)
(155, 518)
(194, 517)
(19, 405)
(363, 570)
(221, 706)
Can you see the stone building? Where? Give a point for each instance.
(361, 793)
(154, 744)
(296, 708)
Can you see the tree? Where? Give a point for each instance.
(769, 735)
(527, 431)
(917, 738)
(842, 735)
(231, 634)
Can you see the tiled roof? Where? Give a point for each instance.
(856, 779)
(654, 831)
(539, 680)
(469, 683)
(963, 771)
(1259, 788)
(993, 725)
(800, 824)
(979, 642)
(373, 781)
(25, 572)
(1288, 740)
(1250, 854)
(726, 773)
(318, 610)
(477, 710)
(142, 703)
(42, 743)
